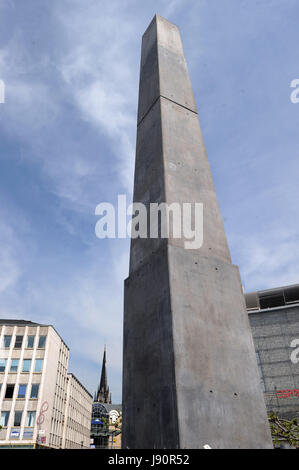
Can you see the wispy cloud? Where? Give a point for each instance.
(10, 269)
(67, 142)
(104, 86)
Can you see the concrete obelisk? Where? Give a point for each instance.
(190, 375)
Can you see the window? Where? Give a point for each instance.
(18, 418)
(14, 365)
(34, 391)
(9, 390)
(30, 341)
(26, 365)
(7, 340)
(18, 342)
(4, 418)
(30, 420)
(38, 365)
(41, 341)
(22, 391)
(2, 365)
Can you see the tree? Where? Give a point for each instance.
(282, 429)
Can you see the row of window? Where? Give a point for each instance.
(19, 341)
(10, 388)
(30, 418)
(14, 365)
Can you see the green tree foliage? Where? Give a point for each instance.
(282, 429)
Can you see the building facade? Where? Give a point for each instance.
(274, 320)
(77, 417)
(36, 390)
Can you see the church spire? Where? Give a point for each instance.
(103, 395)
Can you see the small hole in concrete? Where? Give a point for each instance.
(211, 391)
(235, 394)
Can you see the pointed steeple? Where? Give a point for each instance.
(103, 395)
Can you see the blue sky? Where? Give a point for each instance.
(67, 141)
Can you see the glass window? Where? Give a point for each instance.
(26, 365)
(2, 365)
(30, 420)
(22, 391)
(18, 342)
(38, 365)
(18, 418)
(7, 340)
(14, 365)
(34, 391)
(30, 341)
(41, 341)
(9, 390)
(4, 418)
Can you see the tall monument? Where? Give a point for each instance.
(190, 376)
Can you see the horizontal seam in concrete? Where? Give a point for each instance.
(168, 99)
(144, 116)
(182, 106)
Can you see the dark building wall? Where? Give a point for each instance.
(273, 331)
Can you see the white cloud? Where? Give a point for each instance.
(104, 86)
(98, 80)
(91, 72)
(10, 269)
(266, 259)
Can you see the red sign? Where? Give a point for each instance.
(287, 393)
(43, 410)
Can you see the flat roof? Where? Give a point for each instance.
(17, 322)
(81, 385)
(270, 298)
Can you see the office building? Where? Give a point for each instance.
(274, 320)
(41, 404)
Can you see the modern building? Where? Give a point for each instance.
(41, 404)
(77, 416)
(106, 417)
(274, 320)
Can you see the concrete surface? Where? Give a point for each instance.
(190, 375)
